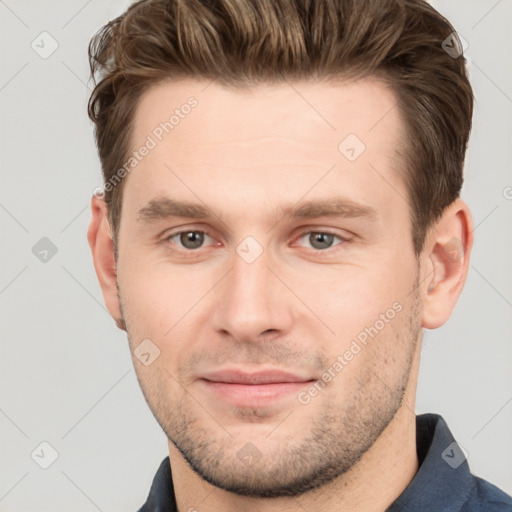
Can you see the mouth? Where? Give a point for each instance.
(257, 389)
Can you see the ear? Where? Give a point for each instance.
(99, 236)
(446, 252)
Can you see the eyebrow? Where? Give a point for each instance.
(165, 208)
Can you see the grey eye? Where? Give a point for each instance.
(321, 240)
(191, 239)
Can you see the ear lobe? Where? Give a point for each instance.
(99, 236)
(448, 262)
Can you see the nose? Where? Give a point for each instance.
(251, 302)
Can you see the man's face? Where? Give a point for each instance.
(326, 292)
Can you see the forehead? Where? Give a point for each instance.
(308, 112)
(280, 137)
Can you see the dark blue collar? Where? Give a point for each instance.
(443, 481)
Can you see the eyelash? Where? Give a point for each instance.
(343, 240)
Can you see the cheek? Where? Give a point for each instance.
(166, 304)
(153, 291)
(350, 298)
(376, 355)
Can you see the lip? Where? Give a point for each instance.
(269, 376)
(257, 389)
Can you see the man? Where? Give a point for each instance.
(280, 220)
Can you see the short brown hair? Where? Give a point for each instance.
(246, 42)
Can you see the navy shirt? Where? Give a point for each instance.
(443, 482)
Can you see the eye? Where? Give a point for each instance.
(320, 240)
(189, 239)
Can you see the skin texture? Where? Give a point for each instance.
(244, 156)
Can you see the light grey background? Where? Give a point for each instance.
(66, 373)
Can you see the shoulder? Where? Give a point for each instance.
(486, 497)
